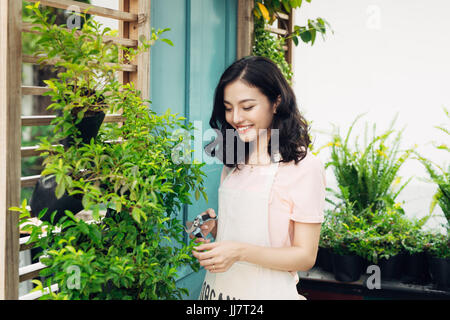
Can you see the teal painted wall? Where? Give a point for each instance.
(183, 78)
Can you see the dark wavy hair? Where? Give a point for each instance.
(261, 73)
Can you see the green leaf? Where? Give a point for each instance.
(95, 234)
(136, 215)
(286, 5)
(85, 201)
(313, 35)
(52, 217)
(70, 215)
(197, 194)
(42, 213)
(169, 42)
(96, 212)
(60, 190)
(83, 227)
(205, 196)
(305, 35)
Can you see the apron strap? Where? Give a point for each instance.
(274, 166)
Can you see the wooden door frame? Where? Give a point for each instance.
(245, 28)
(10, 141)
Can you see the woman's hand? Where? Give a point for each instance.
(220, 256)
(207, 227)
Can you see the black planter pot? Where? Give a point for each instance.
(347, 268)
(365, 265)
(318, 262)
(88, 128)
(44, 197)
(326, 263)
(391, 268)
(415, 268)
(440, 272)
(44, 192)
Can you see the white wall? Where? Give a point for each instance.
(111, 4)
(384, 57)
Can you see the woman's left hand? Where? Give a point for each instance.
(220, 255)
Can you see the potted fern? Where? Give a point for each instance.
(323, 260)
(347, 264)
(438, 258)
(367, 179)
(438, 244)
(414, 239)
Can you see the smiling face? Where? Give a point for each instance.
(247, 110)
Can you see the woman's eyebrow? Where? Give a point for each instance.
(242, 101)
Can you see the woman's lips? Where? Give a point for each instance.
(245, 130)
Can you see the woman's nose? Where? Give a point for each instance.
(237, 115)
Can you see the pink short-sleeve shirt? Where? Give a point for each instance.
(297, 195)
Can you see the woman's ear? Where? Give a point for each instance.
(276, 104)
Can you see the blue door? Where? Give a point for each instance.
(183, 78)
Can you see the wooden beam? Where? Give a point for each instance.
(290, 52)
(135, 30)
(31, 271)
(34, 60)
(282, 15)
(33, 150)
(10, 141)
(23, 244)
(245, 26)
(285, 27)
(34, 90)
(279, 31)
(27, 27)
(29, 121)
(95, 10)
(29, 181)
(37, 294)
(29, 151)
(141, 28)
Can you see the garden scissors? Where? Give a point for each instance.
(194, 226)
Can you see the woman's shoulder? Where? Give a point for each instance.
(309, 168)
(308, 173)
(309, 162)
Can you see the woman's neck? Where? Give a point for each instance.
(258, 154)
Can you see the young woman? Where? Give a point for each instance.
(272, 191)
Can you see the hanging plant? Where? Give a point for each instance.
(271, 46)
(267, 11)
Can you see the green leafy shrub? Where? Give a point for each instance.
(269, 46)
(373, 235)
(267, 10)
(133, 170)
(438, 245)
(413, 236)
(439, 175)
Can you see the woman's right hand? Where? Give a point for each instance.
(207, 227)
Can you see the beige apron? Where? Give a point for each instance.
(244, 217)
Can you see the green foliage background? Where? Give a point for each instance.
(134, 170)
